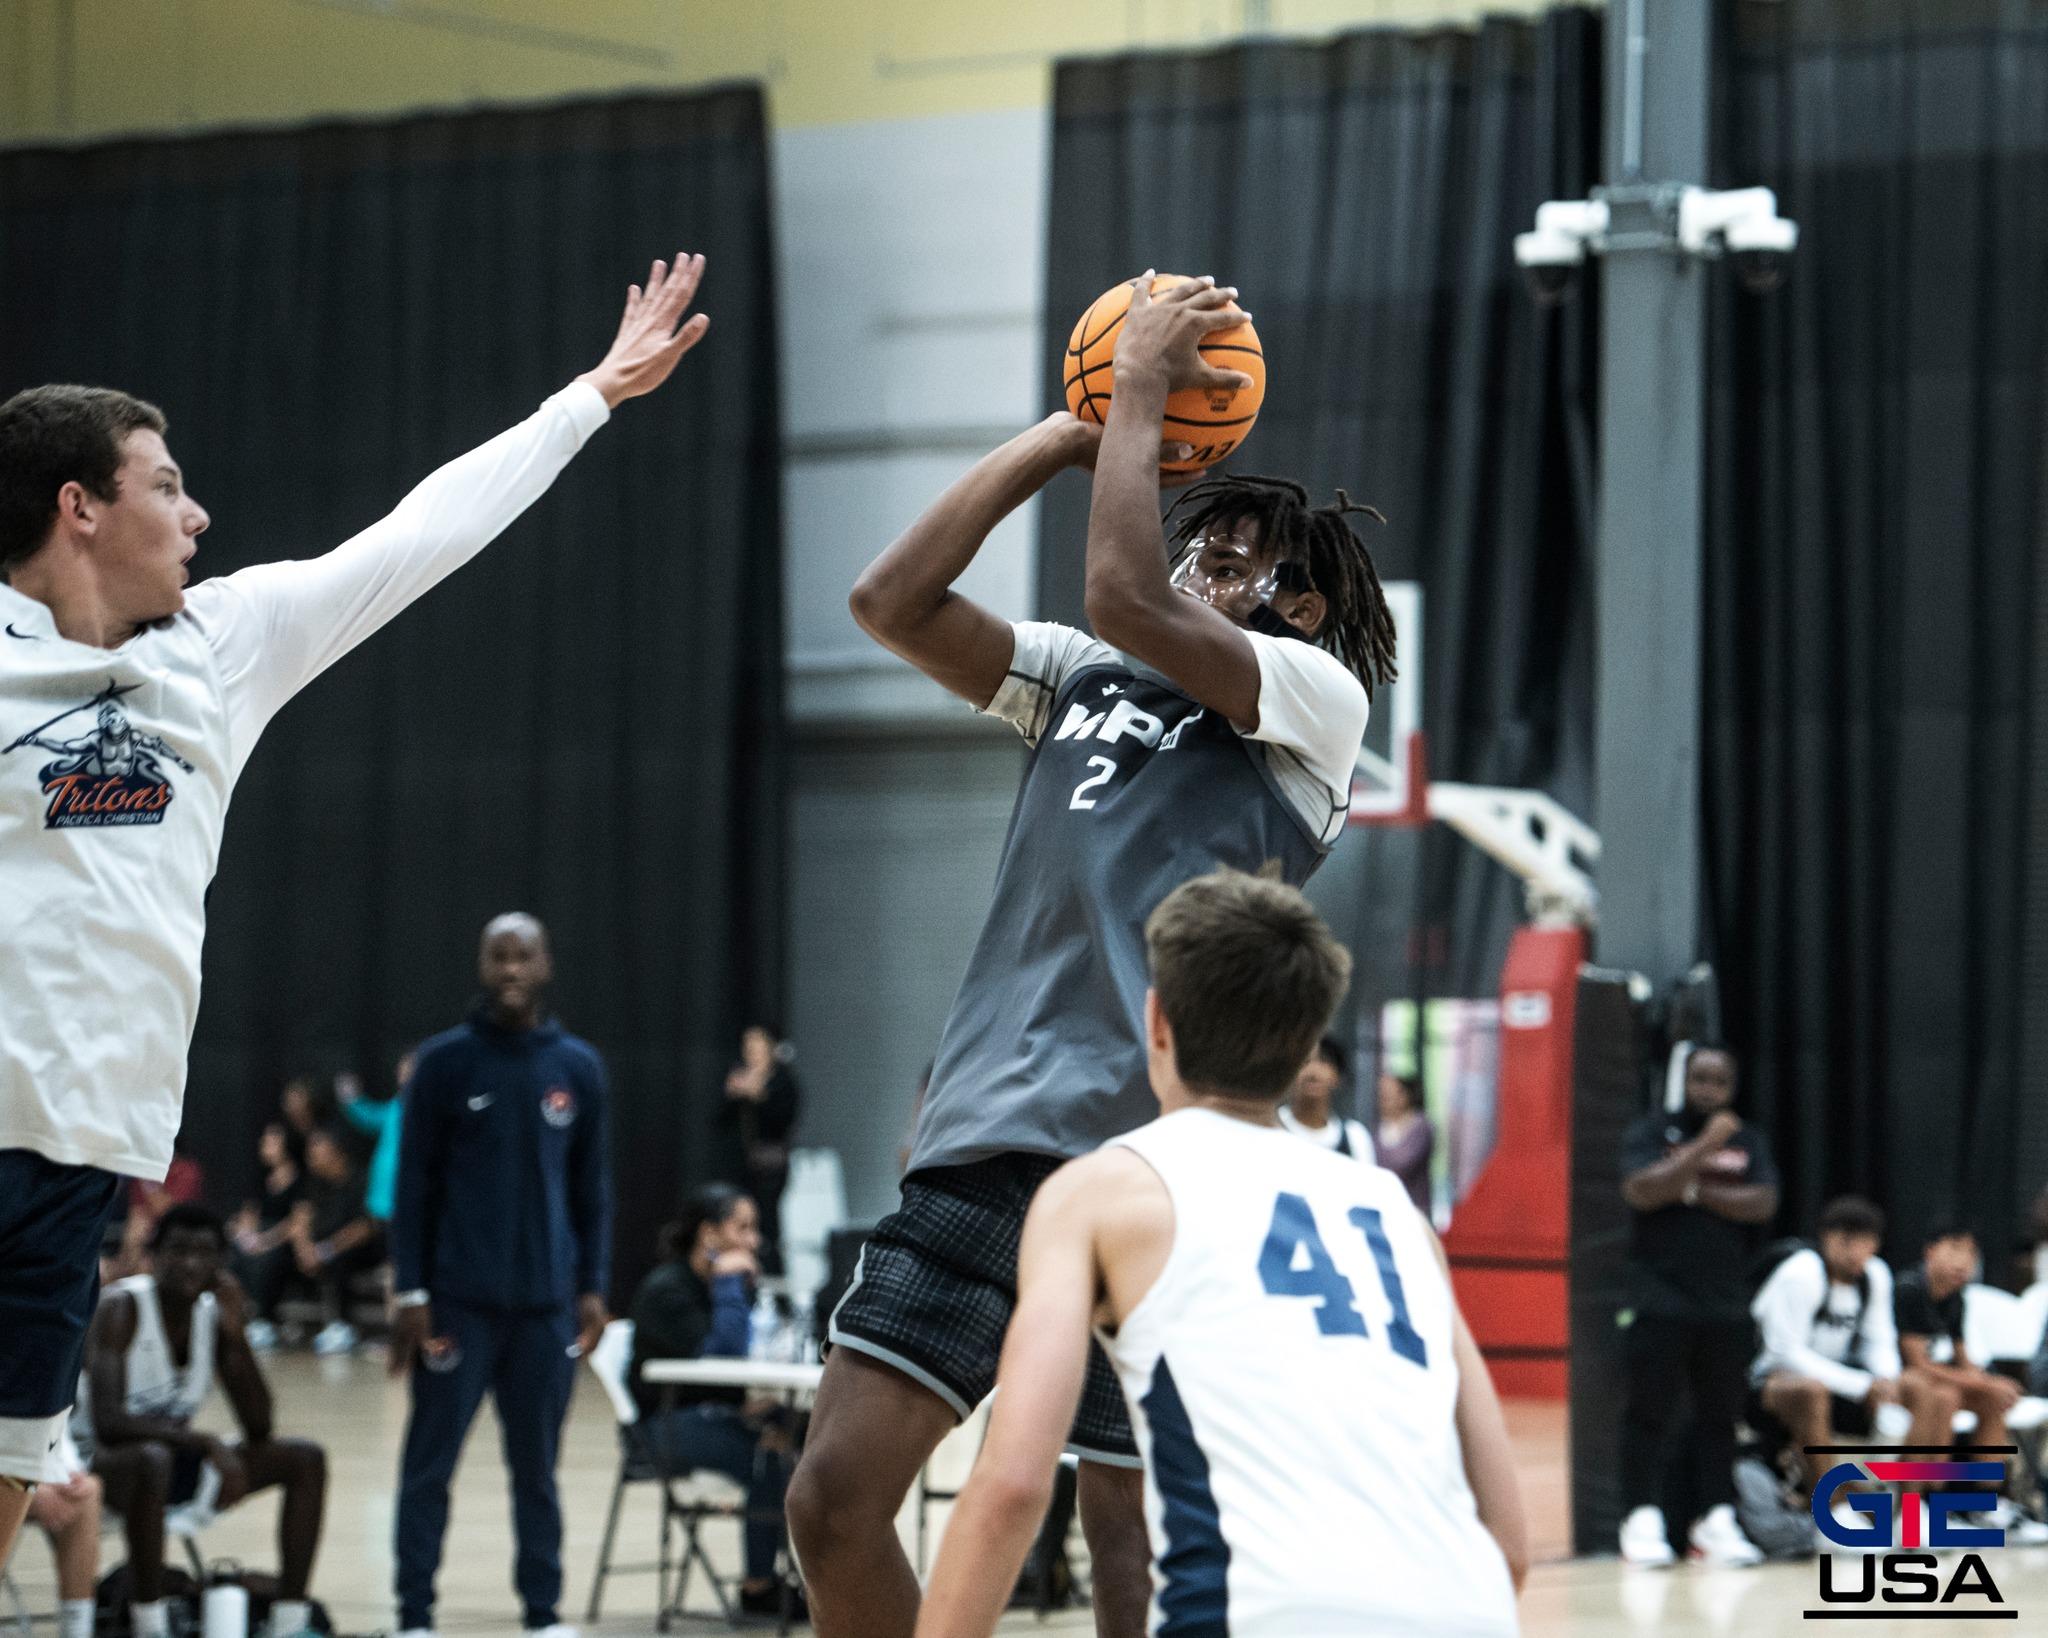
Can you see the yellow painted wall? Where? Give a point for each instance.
(72, 69)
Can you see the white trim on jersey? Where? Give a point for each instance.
(1312, 711)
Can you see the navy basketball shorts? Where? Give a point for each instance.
(52, 1219)
(937, 1283)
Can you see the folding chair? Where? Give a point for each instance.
(610, 1360)
(22, 1622)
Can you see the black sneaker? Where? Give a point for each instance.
(768, 1601)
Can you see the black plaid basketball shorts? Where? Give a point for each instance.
(937, 1283)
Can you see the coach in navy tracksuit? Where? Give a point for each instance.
(500, 1245)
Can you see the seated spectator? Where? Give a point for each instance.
(695, 1305)
(69, 1514)
(1830, 1355)
(261, 1232)
(157, 1345)
(379, 1117)
(333, 1238)
(1307, 1113)
(184, 1184)
(1407, 1141)
(1940, 1377)
(1699, 1181)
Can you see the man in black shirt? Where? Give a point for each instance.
(1940, 1376)
(333, 1239)
(1700, 1181)
(1929, 1308)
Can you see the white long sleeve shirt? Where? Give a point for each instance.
(116, 766)
(1810, 1326)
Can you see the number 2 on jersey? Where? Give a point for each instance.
(1293, 1232)
(1079, 799)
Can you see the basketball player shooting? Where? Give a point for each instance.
(107, 853)
(1215, 717)
(1323, 1449)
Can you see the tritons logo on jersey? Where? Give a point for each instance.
(557, 1107)
(110, 774)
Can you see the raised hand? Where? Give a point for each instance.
(649, 343)
(1162, 335)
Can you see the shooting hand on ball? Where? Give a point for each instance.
(1084, 441)
(649, 344)
(1162, 335)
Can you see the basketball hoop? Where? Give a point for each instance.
(1543, 842)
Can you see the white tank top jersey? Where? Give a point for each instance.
(157, 1384)
(1293, 1388)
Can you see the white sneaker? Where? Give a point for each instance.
(338, 1338)
(416, 1632)
(1643, 1540)
(558, 1630)
(262, 1335)
(1718, 1541)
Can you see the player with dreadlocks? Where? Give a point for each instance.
(1213, 719)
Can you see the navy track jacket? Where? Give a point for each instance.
(504, 1169)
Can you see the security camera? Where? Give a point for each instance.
(1551, 256)
(1550, 263)
(1742, 224)
(1760, 249)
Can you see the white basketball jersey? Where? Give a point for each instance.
(1293, 1388)
(157, 1384)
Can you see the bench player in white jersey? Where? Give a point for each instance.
(1324, 1453)
(127, 712)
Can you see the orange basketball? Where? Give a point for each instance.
(1214, 422)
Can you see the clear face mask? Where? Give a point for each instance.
(1222, 571)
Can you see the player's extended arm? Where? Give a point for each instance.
(1039, 1380)
(277, 626)
(905, 598)
(1131, 604)
(1483, 1437)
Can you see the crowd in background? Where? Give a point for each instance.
(1742, 1351)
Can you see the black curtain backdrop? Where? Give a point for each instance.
(586, 722)
(1364, 193)
(1875, 472)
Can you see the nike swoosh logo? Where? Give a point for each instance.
(480, 1104)
(25, 636)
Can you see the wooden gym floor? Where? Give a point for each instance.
(350, 1406)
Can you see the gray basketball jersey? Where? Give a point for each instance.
(1132, 789)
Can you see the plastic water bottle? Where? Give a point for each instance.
(802, 1334)
(764, 1327)
(226, 1608)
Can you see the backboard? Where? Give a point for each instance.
(1391, 784)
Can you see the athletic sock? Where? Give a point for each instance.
(75, 1618)
(289, 1617)
(147, 1620)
